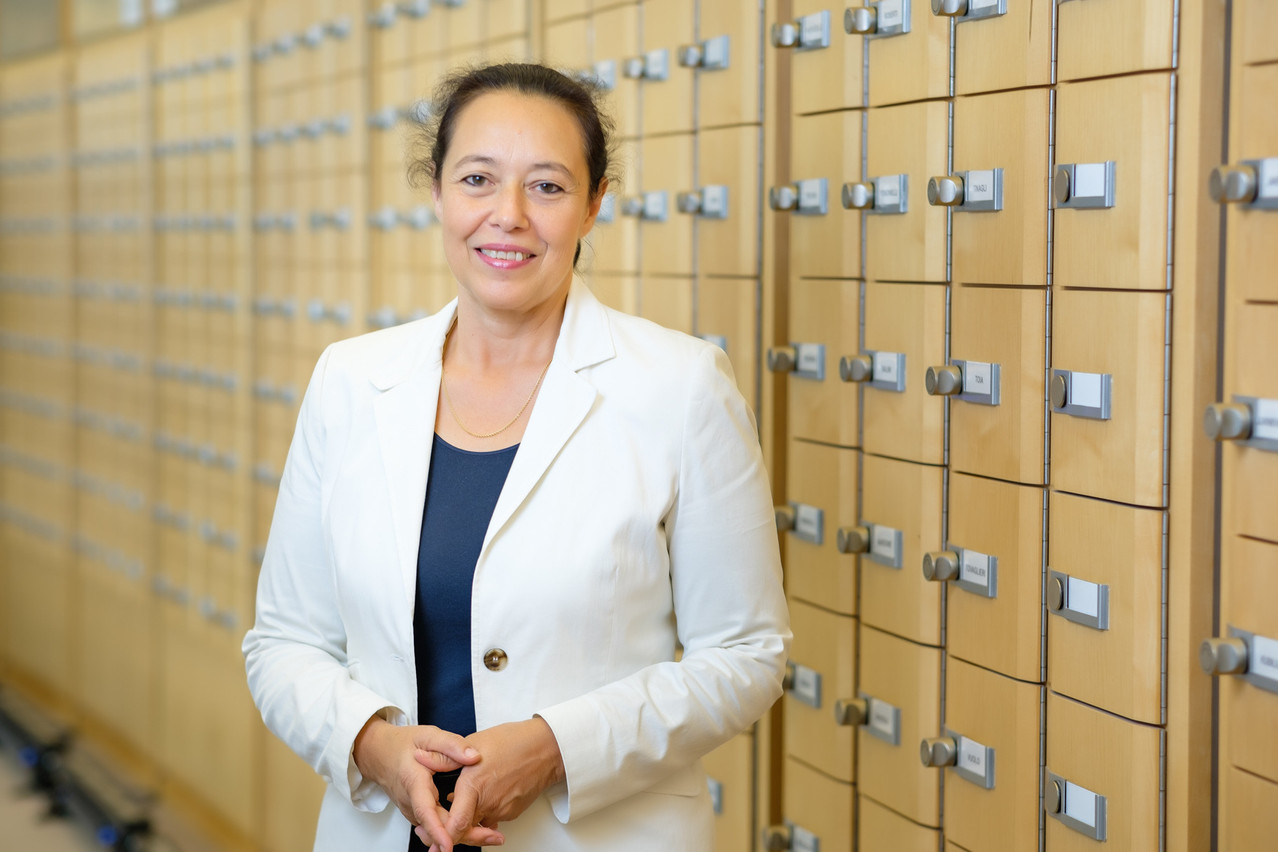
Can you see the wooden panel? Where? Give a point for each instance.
(727, 313)
(1125, 120)
(1003, 326)
(884, 829)
(1248, 811)
(731, 766)
(1248, 583)
(617, 37)
(1119, 334)
(911, 140)
(824, 642)
(826, 245)
(1118, 669)
(667, 104)
(826, 78)
(568, 44)
(1004, 521)
(729, 246)
(1009, 132)
(668, 302)
(906, 497)
(1251, 236)
(730, 96)
(668, 168)
(913, 66)
(1010, 51)
(820, 805)
(1113, 37)
(1110, 757)
(828, 313)
(907, 319)
(825, 478)
(1005, 715)
(1249, 473)
(908, 677)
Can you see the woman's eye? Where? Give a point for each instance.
(549, 188)
(474, 180)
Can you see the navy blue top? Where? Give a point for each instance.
(461, 492)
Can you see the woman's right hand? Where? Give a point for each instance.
(402, 760)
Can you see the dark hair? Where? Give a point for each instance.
(581, 97)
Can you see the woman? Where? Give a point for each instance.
(592, 496)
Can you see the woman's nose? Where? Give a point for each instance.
(508, 212)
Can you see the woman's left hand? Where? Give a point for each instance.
(519, 761)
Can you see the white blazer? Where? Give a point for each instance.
(636, 515)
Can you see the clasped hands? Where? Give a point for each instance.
(503, 770)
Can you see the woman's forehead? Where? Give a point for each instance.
(508, 123)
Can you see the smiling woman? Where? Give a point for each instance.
(486, 618)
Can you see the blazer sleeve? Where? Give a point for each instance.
(295, 654)
(730, 612)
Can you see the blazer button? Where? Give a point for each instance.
(495, 659)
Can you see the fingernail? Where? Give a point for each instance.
(470, 752)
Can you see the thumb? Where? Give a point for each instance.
(446, 746)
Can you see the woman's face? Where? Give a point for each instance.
(513, 197)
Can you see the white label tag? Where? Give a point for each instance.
(1264, 421)
(807, 685)
(977, 378)
(883, 542)
(716, 794)
(1267, 178)
(981, 5)
(1263, 659)
(980, 184)
(883, 717)
(890, 14)
(1085, 389)
(885, 364)
(810, 195)
(813, 29)
(1089, 180)
(971, 756)
(802, 840)
(887, 190)
(1084, 597)
(809, 360)
(807, 522)
(1080, 804)
(975, 568)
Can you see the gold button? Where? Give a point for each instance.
(495, 659)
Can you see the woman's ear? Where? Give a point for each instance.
(592, 211)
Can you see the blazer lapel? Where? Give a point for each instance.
(405, 415)
(563, 403)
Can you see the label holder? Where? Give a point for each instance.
(984, 781)
(989, 589)
(974, 370)
(1096, 830)
(1260, 681)
(876, 554)
(1255, 404)
(1099, 621)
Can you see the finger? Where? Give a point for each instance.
(430, 824)
(450, 745)
(461, 816)
(483, 836)
(435, 761)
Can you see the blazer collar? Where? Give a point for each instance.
(405, 414)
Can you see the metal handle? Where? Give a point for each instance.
(776, 838)
(783, 197)
(787, 680)
(944, 380)
(938, 751)
(785, 518)
(860, 20)
(1227, 421)
(856, 368)
(941, 565)
(949, 8)
(1223, 656)
(1232, 184)
(852, 540)
(945, 191)
(782, 359)
(785, 35)
(851, 712)
(858, 196)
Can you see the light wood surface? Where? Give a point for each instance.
(826, 312)
(730, 157)
(1022, 41)
(907, 676)
(826, 643)
(906, 497)
(1111, 38)
(826, 146)
(820, 804)
(908, 319)
(824, 477)
(827, 78)
(1004, 326)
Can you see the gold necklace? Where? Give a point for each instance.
(452, 408)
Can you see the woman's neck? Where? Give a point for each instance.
(483, 340)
